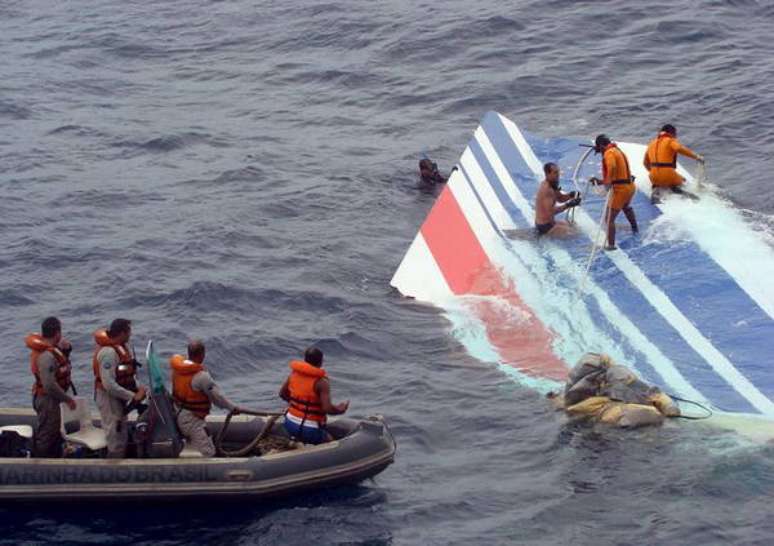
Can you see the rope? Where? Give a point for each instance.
(241, 452)
(593, 252)
(261, 413)
(692, 417)
(701, 176)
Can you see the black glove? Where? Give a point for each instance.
(573, 194)
(594, 181)
(573, 202)
(135, 405)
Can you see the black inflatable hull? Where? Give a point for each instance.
(363, 449)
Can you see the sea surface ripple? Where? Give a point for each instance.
(245, 171)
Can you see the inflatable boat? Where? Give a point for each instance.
(361, 449)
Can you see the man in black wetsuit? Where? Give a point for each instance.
(428, 172)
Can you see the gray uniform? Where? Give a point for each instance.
(48, 438)
(193, 427)
(111, 401)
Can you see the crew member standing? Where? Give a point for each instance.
(661, 162)
(50, 366)
(617, 175)
(115, 384)
(194, 392)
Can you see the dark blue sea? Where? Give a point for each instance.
(245, 172)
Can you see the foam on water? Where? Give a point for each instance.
(740, 247)
(471, 332)
(736, 245)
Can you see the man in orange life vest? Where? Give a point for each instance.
(617, 175)
(115, 384)
(661, 162)
(308, 394)
(50, 366)
(194, 392)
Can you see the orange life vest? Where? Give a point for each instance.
(304, 401)
(621, 161)
(38, 345)
(126, 369)
(661, 153)
(183, 372)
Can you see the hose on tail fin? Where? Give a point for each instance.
(701, 175)
(581, 192)
(594, 245)
(708, 411)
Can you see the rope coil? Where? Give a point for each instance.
(246, 450)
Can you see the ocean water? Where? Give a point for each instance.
(245, 172)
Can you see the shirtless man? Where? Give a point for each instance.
(548, 195)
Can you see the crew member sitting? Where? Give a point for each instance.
(546, 208)
(308, 394)
(50, 366)
(661, 162)
(194, 392)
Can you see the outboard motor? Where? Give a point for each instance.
(156, 434)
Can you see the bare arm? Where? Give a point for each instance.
(284, 392)
(563, 197)
(323, 389)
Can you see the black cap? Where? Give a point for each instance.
(669, 128)
(600, 142)
(119, 326)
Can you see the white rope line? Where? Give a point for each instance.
(604, 219)
(701, 175)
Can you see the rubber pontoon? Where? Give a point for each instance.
(361, 449)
